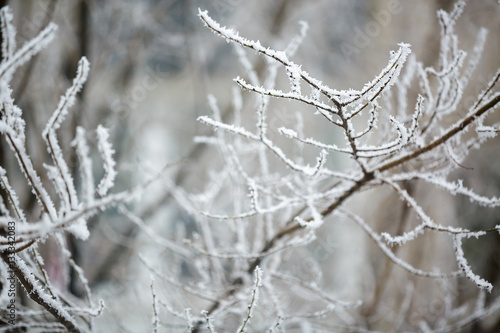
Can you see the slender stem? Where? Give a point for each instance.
(442, 139)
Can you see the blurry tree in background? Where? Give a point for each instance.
(352, 181)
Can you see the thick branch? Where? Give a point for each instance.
(35, 295)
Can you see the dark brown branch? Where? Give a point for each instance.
(35, 295)
(445, 137)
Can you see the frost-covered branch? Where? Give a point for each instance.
(55, 212)
(304, 207)
(280, 199)
(255, 295)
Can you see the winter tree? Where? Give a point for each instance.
(339, 219)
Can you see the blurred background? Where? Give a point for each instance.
(153, 63)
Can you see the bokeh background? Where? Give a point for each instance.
(153, 63)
